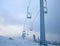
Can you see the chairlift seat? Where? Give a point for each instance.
(30, 29)
(29, 15)
(45, 12)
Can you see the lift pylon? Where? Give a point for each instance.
(42, 25)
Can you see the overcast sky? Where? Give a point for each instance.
(13, 12)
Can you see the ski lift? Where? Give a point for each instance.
(29, 15)
(45, 7)
(30, 29)
(45, 10)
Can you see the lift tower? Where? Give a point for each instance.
(42, 24)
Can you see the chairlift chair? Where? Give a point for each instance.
(30, 29)
(45, 7)
(45, 10)
(29, 15)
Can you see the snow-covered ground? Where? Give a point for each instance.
(6, 41)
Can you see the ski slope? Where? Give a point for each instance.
(5, 41)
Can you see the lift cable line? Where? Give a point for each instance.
(36, 16)
(45, 11)
(42, 25)
(34, 20)
(28, 15)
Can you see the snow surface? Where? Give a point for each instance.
(5, 41)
